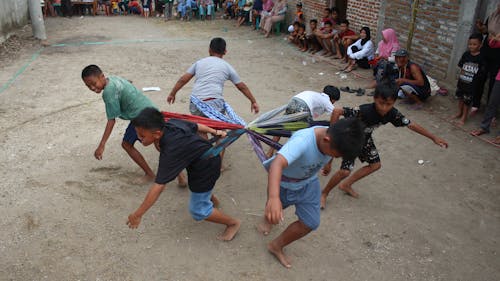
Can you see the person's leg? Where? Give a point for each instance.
(334, 180)
(460, 108)
(492, 108)
(292, 233)
(201, 208)
(346, 185)
(465, 113)
(129, 138)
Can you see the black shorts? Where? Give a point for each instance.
(466, 96)
(369, 154)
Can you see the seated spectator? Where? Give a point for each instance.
(360, 52)
(277, 14)
(412, 81)
(344, 39)
(327, 17)
(134, 7)
(114, 7)
(267, 7)
(256, 11)
(244, 13)
(325, 37)
(294, 31)
(228, 9)
(312, 42)
(123, 5)
(57, 7)
(384, 54)
(302, 42)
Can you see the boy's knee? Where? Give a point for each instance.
(199, 215)
(311, 224)
(200, 206)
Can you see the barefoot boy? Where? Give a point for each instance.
(180, 148)
(293, 178)
(122, 100)
(373, 115)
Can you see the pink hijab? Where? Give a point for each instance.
(391, 43)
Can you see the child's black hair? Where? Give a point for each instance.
(328, 23)
(302, 25)
(329, 10)
(314, 20)
(296, 23)
(347, 137)
(150, 119)
(477, 36)
(387, 89)
(218, 45)
(334, 9)
(91, 70)
(344, 21)
(332, 92)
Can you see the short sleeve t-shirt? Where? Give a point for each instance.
(472, 69)
(123, 100)
(211, 73)
(348, 32)
(318, 103)
(368, 114)
(181, 148)
(304, 159)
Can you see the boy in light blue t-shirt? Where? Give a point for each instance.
(122, 100)
(293, 178)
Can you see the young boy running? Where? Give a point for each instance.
(122, 100)
(293, 178)
(181, 148)
(373, 115)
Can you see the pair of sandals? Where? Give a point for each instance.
(359, 92)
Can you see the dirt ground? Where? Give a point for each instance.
(64, 213)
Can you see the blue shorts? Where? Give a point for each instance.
(200, 205)
(130, 135)
(306, 201)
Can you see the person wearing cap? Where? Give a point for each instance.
(412, 81)
(315, 103)
(299, 17)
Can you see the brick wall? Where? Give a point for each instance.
(434, 35)
(363, 13)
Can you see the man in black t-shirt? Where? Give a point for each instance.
(373, 115)
(181, 148)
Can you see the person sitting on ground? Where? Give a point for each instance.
(181, 147)
(293, 179)
(344, 39)
(114, 7)
(314, 103)
(325, 37)
(373, 115)
(301, 36)
(123, 6)
(134, 7)
(385, 52)
(494, 101)
(361, 52)
(294, 31)
(277, 14)
(472, 73)
(122, 100)
(412, 80)
(312, 41)
(244, 14)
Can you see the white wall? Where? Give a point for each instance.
(13, 15)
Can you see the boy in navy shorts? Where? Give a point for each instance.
(181, 148)
(373, 115)
(293, 178)
(122, 100)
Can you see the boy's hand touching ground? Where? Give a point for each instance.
(98, 152)
(254, 108)
(133, 221)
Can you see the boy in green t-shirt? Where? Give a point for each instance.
(122, 100)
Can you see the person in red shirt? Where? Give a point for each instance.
(343, 39)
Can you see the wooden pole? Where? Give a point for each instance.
(411, 28)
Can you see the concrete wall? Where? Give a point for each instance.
(13, 15)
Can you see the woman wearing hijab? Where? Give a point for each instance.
(388, 46)
(360, 52)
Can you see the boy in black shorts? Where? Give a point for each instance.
(181, 148)
(380, 112)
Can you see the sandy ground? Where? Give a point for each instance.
(64, 213)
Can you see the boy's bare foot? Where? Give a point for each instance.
(496, 140)
(215, 201)
(460, 123)
(348, 190)
(144, 180)
(230, 232)
(478, 132)
(455, 116)
(322, 202)
(264, 227)
(279, 254)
